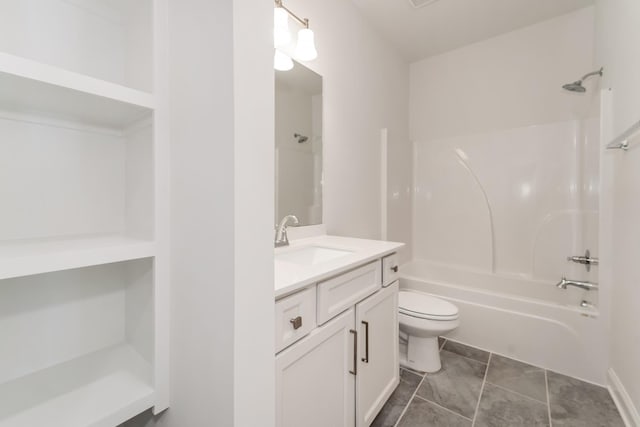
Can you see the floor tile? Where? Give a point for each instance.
(456, 386)
(399, 399)
(410, 377)
(421, 413)
(467, 351)
(517, 376)
(502, 408)
(577, 403)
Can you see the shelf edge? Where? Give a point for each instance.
(67, 260)
(48, 74)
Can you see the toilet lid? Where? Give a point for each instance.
(425, 306)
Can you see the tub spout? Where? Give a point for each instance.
(588, 286)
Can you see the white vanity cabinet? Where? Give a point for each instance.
(343, 371)
(314, 386)
(378, 358)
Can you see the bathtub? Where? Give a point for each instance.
(528, 320)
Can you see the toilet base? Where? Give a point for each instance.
(423, 354)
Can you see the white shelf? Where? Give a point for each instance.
(31, 87)
(27, 257)
(102, 389)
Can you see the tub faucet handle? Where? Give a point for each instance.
(586, 260)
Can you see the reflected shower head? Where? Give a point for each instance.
(301, 138)
(577, 85)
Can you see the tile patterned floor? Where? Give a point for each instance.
(482, 389)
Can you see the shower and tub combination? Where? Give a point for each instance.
(504, 226)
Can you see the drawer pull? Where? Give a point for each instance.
(394, 268)
(296, 322)
(365, 359)
(355, 352)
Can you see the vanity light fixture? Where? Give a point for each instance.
(282, 62)
(305, 48)
(281, 33)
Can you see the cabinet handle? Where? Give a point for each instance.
(296, 322)
(355, 352)
(365, 359)
(394, 268)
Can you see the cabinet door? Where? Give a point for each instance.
(314, 386)
(378, 357)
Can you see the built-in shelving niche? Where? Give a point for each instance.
(83, 276)
(73, 195)
(77, 346)
(110, 40)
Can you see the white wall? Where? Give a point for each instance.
(254, 320)
(365, 88)
(509, 81)
(618, 32)
(222, 214)
(504, 157)
(202, 214)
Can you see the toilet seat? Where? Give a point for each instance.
(423, 306)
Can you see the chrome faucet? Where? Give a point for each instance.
(586, 260)
(588, 286)
(281, 230)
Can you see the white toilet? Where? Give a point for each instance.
(422, 319)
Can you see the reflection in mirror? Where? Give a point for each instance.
(298, 151)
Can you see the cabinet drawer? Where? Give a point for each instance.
(390, 268)
(339, 293)
(295, 317)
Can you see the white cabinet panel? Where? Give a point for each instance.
(314, 386)
(339, 293)
(390, 268)
(378, 358)
(295, 317)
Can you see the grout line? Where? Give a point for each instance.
(442, 407)
(410, 400)
(546, 386)
(444, 341)
(484, 380)
(418, 373)
(517, 393)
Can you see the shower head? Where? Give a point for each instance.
(301, 138)
(577, 85)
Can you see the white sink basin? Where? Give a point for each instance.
(311, 255)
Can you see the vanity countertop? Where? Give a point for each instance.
(292, 276)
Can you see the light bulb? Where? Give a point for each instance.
(306, 49)
(281, 33)
(282, 62)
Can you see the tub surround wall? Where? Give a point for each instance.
(505, 161)
(506, 174)
(514, 202)
(365, 89)
(617, 35)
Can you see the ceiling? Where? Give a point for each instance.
(445, 25)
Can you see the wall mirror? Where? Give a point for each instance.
(298, 139)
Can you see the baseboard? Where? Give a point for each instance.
(627, 409)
